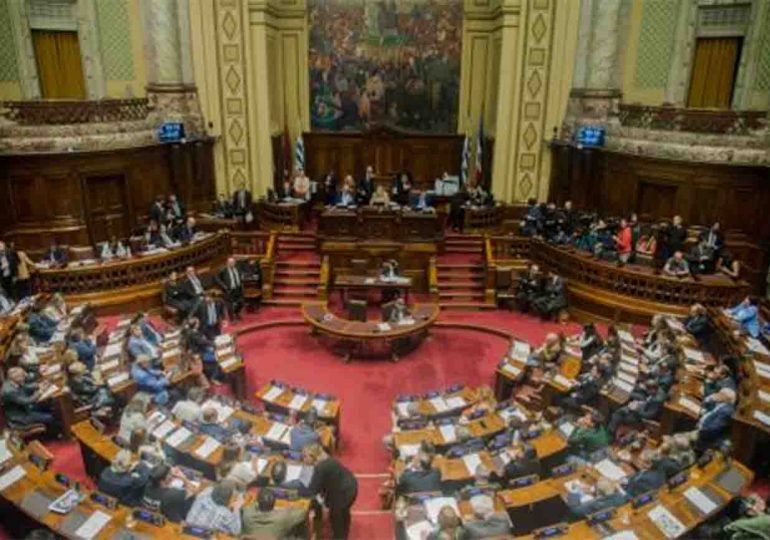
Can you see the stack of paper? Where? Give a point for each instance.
(763, 370)
(756, 346)
(610, 470)
(439, 404)
(179, 437)
(408, 450)
(448, 433)
(164, 429)
(207, 448)
(764, 396)
(666, 522)
(293, 472)
(403, 409)
(297, 402)
(627, 377)
(700, 501)
(762, 417)
(383, 327)
(520, 350)
(112, 364)
(623, 385)
(319, 405)
(93, 525)
(229, 362)
(419, 530)
(276, 431)
(513, 370)
(455, 402)
(12, 476)
(223, 340)
(112, 349)
(272, 394)
(472, 461)
(694, 355)
(5, 454)
(563, 381)
(690, 405)
(117, 379)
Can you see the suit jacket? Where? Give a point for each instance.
(278, 523)
(242, 204)
(139, 346)
(188, 290)
(225, 281)
(185, 233)
(86, 351)
(301, 436)
(335, 482)
(126, 487)
(18, 402)
(158, 213)
(41, 327)
(203, 313)
(419, 481)
(644, 481)
(715, 419)
(596, 505)
(497, 524)
(522, 467)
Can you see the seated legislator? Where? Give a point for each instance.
(41, 326)
(604, 495)
(124, 480)
(717, 378)
(746, 314)
(114, 249)
(727, 264)
(420, 201)
(149, 331)
(399, 311)
(380, 196)
(697, 322)
(55, 255)
(223, 207)
(365, 187)
(211, 426)
(162, 494)
(189, 409)
(649, 407)
(261, 519)
(21, 401)
(524, 462)
(486, 522)
(230, 281)
(138, 345)
(199, 344)
(529, 287)
(175, 297)
(346, 196)
(589, 436)
(278, 474)
(6, 304)
(186, 232)
(301, 186)
(87, 391)
(133, 417)
(402, 188)
(716, 417)
(677, 266)
(552, 299)
(701, 258)
(150, 380)
(420, 476)
(217, 507)
(84, 345)
(647, 478)
(210, 314)
(303, 433)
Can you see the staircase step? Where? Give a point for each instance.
(314, 264)
(285, 302)
(457, 242)
(471, 295)
(459, 266)
(462, 304)
(306, 282)
(283, 292)
(473, 285)
(462, 249)
(297, 272)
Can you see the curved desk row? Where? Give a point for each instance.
(353, 335)
(137, 280)
(606, 290)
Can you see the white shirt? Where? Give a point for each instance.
(186, 410)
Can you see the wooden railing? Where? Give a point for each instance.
(249, 243)
(267, 264)
(479, 219)
(281, 217)
(490, 275)
(60, 112)
(433, 280)
(691, 120)
(323, 280)
(509, 249)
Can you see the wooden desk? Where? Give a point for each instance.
(282, 216)
(347, 283)
(354, 334)
(368, 223)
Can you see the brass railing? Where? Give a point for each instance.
(433, 280)
(60, 112)
(323, 280)
(692, 120)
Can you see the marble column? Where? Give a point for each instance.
(170, 84)
(595, 94)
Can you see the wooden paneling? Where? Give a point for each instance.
(388, 150)
(79, 198)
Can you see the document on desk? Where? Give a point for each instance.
(371, 280)
(223, 340)
(223, 411)
(272, 394)
(629, 359)
(520, 350)
(622, 535)
(694, 355)
(179, 437)
(704, 505)
(49, 392)
(471, 461)
(112, 349)
(93, 525)
(608, 469)
(171, 353)
(406, 322)
(631, 369)
(439, 404)
(666, 522)
(297, 402)
(623, 385)
(513, 370)
(276, 431)
(117, 379)
(764, 396)
(293, 472)
(407, 451)
(762, 417)
(112, 364)
(626, 336)
(5, 454)
(319, 405)
(433, 507)
(455, 402)
(448, 433)
(12, 476)
(207, 448)
(402, 409)
(756, 346)
(419, 530)
(230, 362)
(763, 370)
(690, 405)
(563, 381)
(164, 429)
(383, 327)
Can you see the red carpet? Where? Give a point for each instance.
(367, 387)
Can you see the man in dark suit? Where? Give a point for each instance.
(158, 210)
(230, 281)
(192, 289)
(175, 297)
(648, 407)
(8, 268)
(175, 208)
(552, 299)
(186, 232)
(210, 313)
(21, 400)
(676, 235)
(241, 203)
(55, 255)
(420, 476)
(714, 423)
(336, 484)
(365, 187)
(524, 462)
(647, 479)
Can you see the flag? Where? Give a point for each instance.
(466, 158)
(299, 153)
(480, 152)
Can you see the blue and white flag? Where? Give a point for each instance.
(299, 153)
(466, 158)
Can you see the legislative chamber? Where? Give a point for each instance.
(384, 269)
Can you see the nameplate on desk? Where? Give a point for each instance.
(272, 394)
(207, 448)
(608, 469)
(178, 437)
(93, 525)
(277, 432)
(551, 531)
(762, 417)
(230, 362)
(11, 477)
(297, 402)
(510, 368)
(112, 364)
(118, 379)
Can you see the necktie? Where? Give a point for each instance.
(5, 305)
(234, 278)
(196, 285)
(212, 314)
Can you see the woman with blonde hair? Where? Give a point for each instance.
(335, 483)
